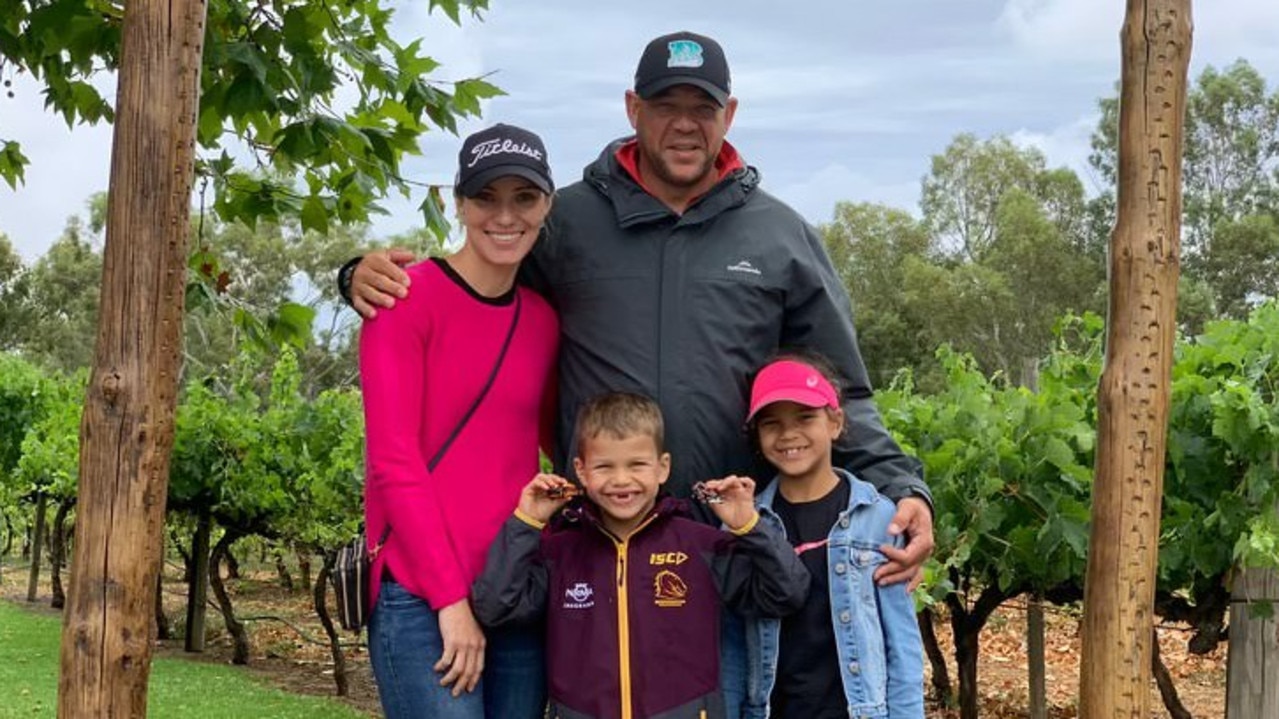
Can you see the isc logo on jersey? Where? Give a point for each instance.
(667, 558)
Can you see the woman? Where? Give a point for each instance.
(422, 367)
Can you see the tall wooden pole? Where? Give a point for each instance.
(1145, 254)
(127, 428)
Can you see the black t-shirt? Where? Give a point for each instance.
(808, 678)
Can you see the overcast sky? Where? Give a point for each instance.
(838, 100)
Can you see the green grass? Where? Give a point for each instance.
(178, 689)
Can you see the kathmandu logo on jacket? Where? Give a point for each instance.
(744, 266)
(684, 53)
(579, 596)
(669, 590)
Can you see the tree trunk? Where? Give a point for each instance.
(1132, 399)
(1167, 688)
(37, 535)
(187, 567)
(944, 691)
(304, 568)
(232, 565)
(8, 535)
(162, 628)
(966, 625)
(282, 571)
(126, 433)
(198, 584)
(239, 638)
(967, 650)
(1036, 666)
(322, 611)
(57, 553)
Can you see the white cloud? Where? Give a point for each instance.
(1089, 30)
(1081, 30)
(67, 166)
(815, 197)
(1064, 146)
(848, 108)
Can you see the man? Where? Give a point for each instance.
(676, 276)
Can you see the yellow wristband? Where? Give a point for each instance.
(535, 524)
(746, 527)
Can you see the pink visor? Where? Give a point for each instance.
(791, 381)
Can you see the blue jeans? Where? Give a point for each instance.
(405, 643)
(733, 668)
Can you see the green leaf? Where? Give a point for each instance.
(13, 164)
(1059, 454)
(314, 215)
(291, 324)
(450, 8)
(433, 213)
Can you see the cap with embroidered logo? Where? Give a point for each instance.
(791, 381)
(683, 58)
(499, 151)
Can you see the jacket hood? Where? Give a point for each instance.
(633, 205)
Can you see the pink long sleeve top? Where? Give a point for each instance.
(422, 364)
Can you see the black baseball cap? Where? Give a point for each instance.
(499, 151)
(683, 58)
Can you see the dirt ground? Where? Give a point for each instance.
(1002, 673)
(291, 657)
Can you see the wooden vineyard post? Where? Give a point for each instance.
(1132, 400)
(127, 428)
(1252, 667)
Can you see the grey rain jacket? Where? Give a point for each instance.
(685, 308)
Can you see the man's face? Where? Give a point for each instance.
(680, 133)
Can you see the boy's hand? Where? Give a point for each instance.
(378, 280)
(544, 495)
(738, 494)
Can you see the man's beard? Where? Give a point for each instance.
(663, 172)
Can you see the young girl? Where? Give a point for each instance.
(423, 367)
(853, 650)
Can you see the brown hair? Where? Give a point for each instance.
(621, 415)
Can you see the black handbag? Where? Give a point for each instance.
(351, 568)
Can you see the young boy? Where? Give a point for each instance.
(854, 647)
(631, 586)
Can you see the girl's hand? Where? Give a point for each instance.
(545, 494)
(462, 662)
(738, 494)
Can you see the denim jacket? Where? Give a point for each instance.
(877, 636)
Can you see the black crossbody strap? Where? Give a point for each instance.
(515, 320)
(430, 466)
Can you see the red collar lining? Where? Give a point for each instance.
(627, 157)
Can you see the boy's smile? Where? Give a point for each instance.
(622, 477)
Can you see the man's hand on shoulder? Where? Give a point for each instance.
(379, 279)
(915, 518)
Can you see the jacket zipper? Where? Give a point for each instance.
(661, 303)
(623, 616)
(623, 631)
